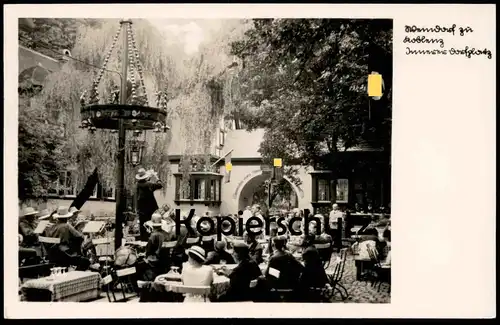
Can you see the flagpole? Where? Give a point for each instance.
(215, 163)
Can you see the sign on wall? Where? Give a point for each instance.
(342, 190)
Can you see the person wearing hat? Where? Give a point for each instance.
(156, 255)
(74, 216)
(146, 202)
(256, 249)
(205, 239)
(219, 254)
(69, 250)
(195, 273)
(241, 276)
(284, 262)
(27, 226)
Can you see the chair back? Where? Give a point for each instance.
(373, 255)
(208, 238)
(169, 244)
(340, 267)
(126, 272)
(325, 251)
(274, 272)
(48, 244)
(104, 246)
(49, 240)
(194, 290)
(191, 241)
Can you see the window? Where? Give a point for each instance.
(65, 186)
(199, 189)
(108, 193)
(204, 187)
(221, 138)
(186, 191)
(323, 190)
(342, 190)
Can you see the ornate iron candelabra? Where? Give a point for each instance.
(127, 108)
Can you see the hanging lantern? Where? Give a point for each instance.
(136, 151)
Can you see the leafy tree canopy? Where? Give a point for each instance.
(304, 81)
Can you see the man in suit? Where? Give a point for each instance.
(146, 202)
(241, 276)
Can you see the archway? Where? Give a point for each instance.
(247, 194)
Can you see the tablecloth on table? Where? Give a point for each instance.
(66, 285)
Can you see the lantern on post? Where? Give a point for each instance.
(136, 149)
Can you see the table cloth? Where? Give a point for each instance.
(71, 286)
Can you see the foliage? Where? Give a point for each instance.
(40, 152)
(312, 98)
(61, 93)
(282, 194)
(58, 34)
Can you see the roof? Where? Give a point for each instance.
(29, 58)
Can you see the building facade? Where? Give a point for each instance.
(364, 178)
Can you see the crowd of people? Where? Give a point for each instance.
(283, 261)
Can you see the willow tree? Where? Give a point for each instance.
(205, 99)
(60, 99)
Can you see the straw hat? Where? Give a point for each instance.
(28, 211)
(62, 213)
(198, 252)
(205, 225)
(44, 214)
(142, 174)
(156, 220)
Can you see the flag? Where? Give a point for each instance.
(87, 191)
(229, 167)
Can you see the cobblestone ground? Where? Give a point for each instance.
(361, 291)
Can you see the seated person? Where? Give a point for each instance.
(157, 257)
(313, 277)
(68, 252)
(27, 226)
(241, 276)
(178, 255)
(220, 254)
(320, 234)
(194, 273)
(205, 241)
(383, 221)
(27, 256)
(386, 261)
(368, 238)
(296, 242)
(255, 248)
(287, 267)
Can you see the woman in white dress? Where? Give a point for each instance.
(194, 273)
